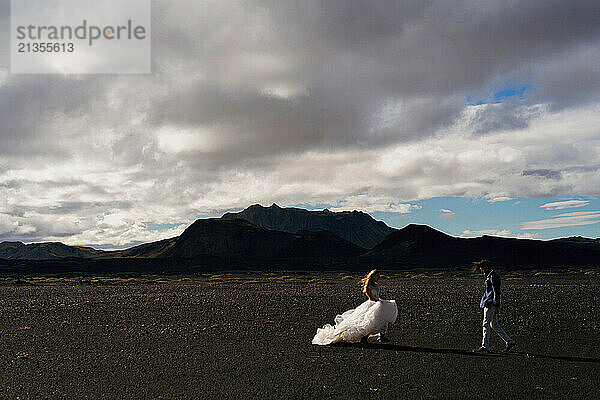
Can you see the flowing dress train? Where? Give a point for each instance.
(351, 326)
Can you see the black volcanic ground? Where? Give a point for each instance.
(248, 336)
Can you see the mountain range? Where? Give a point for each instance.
(293, 238)
(354, 226)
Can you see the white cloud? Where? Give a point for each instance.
(11, 225)
(497, 232)
(162, 187)
(560, 205)
(7, 224)
(577, 218)
(499, 199)
(129, 232)
(3, 75)
(176, 140)
(445, 213)
(370, 204)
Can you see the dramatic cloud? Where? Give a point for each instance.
(446, 214)
(367, 203)
(497, 232)
(577, 218)
(349, 104)
(560, 205)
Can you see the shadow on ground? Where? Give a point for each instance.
(395, 347)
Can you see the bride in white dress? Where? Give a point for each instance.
(371, 318)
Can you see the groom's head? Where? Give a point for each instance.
(484, 265)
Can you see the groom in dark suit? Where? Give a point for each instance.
(490, 303)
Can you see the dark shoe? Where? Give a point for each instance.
(384, 339)
(509, 346)
(364, 339)
(481, 350)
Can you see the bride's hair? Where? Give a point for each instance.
(366, 280)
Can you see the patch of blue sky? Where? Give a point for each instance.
(477, 216)
(454, 215)
(591, 231)
(509, 91)
(457, 215)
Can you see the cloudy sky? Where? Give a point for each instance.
(475, 117)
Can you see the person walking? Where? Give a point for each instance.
(490, 303)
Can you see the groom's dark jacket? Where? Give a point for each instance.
(491, 295)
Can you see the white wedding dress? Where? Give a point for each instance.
(369, 318)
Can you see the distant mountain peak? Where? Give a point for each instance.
(258, 205)
(419, 227)
(44, 250)
(420, 230)
(240, 238)
(354, 226)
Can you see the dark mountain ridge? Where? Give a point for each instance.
(421, 245)
(227, 243)
(354, 226)
(237, 238)
(212, 243)
(44, 251)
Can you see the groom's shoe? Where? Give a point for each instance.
(509, 346)
(481, 349)
(384, 339)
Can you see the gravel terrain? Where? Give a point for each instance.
(247, 335)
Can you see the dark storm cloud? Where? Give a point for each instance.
(348, 60)
(573, 78)
(432, 47)
(544, 173)
(4, 34)
(508, 115)
(352, 59)
(69, 207)
(29, 102)
(583, 168)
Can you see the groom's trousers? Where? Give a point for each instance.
(490, 319)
